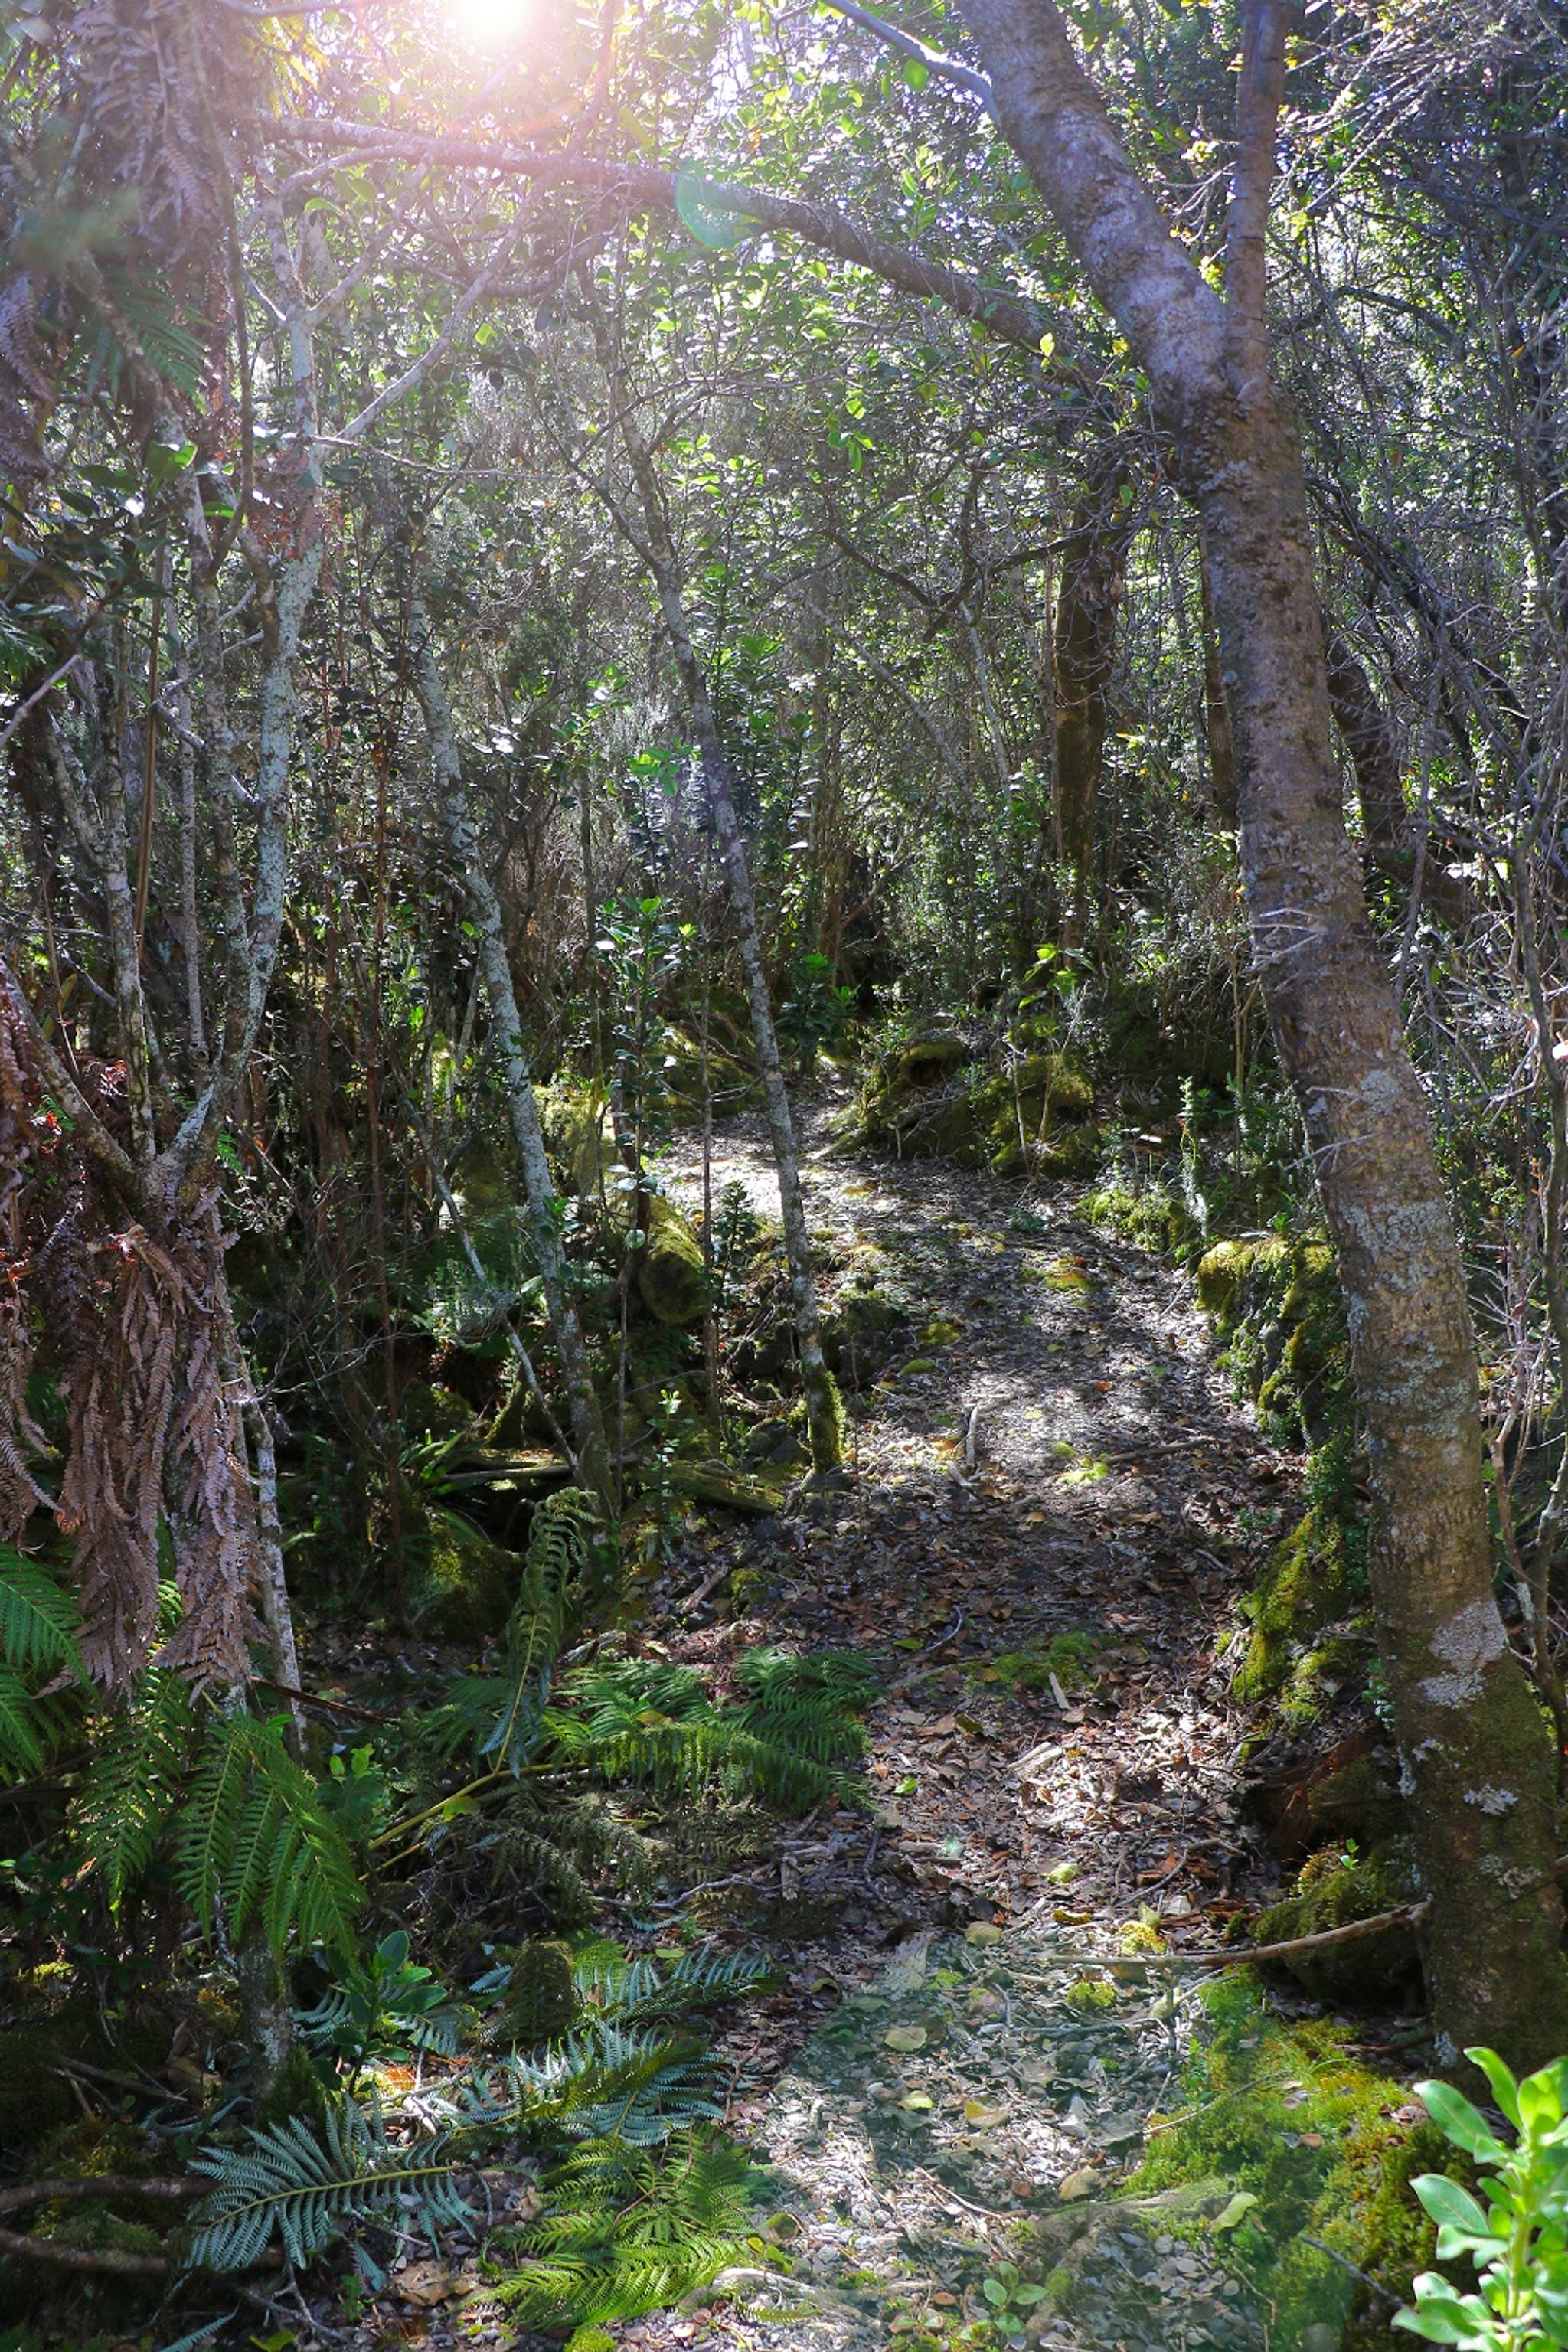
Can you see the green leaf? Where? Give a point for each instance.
(917, 73)
(1240, 2205)
(1505, 2089)
(1541, 2101)
(1457, 2120)
(1445, 2201)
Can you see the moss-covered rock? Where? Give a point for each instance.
(1285, 2113)
(1337, 1886)
(1232, 1274)
(862, 1333)
(1315, 1578)
(672, 1281)
(1359, 1799)
(1276, 1303)
(466, 1585)
(541, 2001)
(936, 1099)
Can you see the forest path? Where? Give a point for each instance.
(1054, 1453)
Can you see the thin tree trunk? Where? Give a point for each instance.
(1216, 710)
(824, 1405)
(1089, 595)
(1391, 829)
(484, 913)
(1476, 1749)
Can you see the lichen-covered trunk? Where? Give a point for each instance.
(1475, 1745)
(539, 1190)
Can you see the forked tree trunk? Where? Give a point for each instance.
(1474, 1746)
(539, 1190)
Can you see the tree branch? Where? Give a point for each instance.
(1054, 118)
(1013, 317)
(1258, 103)
(946, 69)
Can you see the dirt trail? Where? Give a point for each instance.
(1054, 1454)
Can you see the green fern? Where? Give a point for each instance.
(815, 1702)
(556, 1566)
(502, 1716)
(629, 1992)
(651, 1723)
(625, 2232)
(38, 1628)
(257, 1846)
(305, 2186)
(140, 1756)
(604, 2082)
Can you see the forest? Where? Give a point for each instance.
(783, 1175)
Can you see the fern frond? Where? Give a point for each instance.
(38, 1623)
(305, 2185)
(812, 1702)
(631, 1991)
(554, 1570)
(607, 2082)
(257, 1843)
(139, 1758)
(625, 2232)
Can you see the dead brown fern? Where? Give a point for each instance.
(129, 1325)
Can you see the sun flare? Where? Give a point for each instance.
(490, 24)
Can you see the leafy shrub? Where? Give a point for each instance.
(1518, 2240)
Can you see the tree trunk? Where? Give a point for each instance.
(1216, 711)
(538, 1191)
(1391, 829)
(1476, 1749)
(1088, 600)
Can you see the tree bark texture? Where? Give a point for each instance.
(1474, 1746)
(1089, 597)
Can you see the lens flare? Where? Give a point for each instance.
(490, 24)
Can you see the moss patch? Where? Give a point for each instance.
(672, 1281)
(1315, 1579)
(1066, 1658)
(1152, 1216)
(541, 2001)
(1285, 2113)
(935, 1099)
(1337, 1885)
(466, 1585)
(1276, 1303)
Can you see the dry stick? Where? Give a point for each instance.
(113, 2260)
(150, 763)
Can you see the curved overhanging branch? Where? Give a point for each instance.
(1012, 318)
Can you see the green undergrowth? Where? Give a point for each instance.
(1067, 1658)
(1285, 2113)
